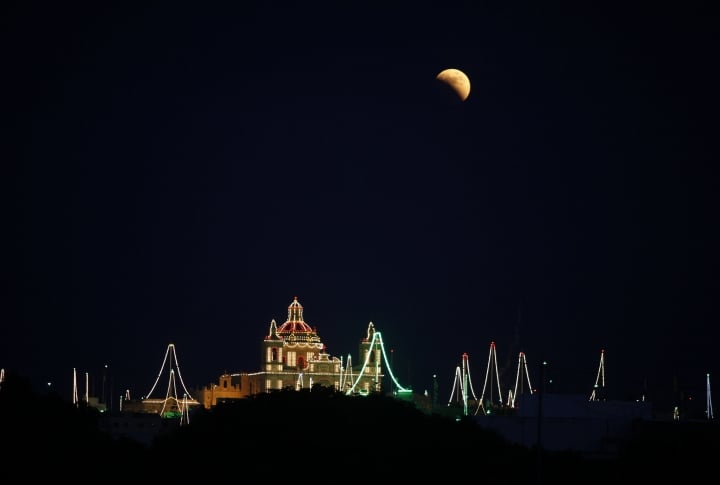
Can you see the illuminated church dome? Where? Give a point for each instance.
(295, 329)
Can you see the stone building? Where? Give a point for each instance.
(293, 356)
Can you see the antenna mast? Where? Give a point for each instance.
(709, 410)
(599, 387)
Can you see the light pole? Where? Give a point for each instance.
(543, 366)
(392, 364)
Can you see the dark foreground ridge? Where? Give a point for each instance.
(321, 435)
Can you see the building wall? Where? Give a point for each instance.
(228, 387)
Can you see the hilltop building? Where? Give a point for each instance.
(293, 356)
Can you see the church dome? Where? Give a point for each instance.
(295, 328)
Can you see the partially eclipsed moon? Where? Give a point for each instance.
(457, 80)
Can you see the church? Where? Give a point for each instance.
(293, 356)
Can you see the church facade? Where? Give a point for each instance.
(293, 356)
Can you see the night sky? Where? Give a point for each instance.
(179, 173)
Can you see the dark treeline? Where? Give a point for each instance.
(321, 435)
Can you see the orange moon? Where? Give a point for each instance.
(457, 80)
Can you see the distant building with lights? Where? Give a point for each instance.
(293, 356)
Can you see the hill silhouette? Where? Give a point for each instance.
(333, 433)
(320, 435)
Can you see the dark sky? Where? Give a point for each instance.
(182, 172)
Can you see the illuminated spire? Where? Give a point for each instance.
(272, 334)
(370, 331)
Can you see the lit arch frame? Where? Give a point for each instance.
(377, 336)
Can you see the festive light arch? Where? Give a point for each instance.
(376, 340)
